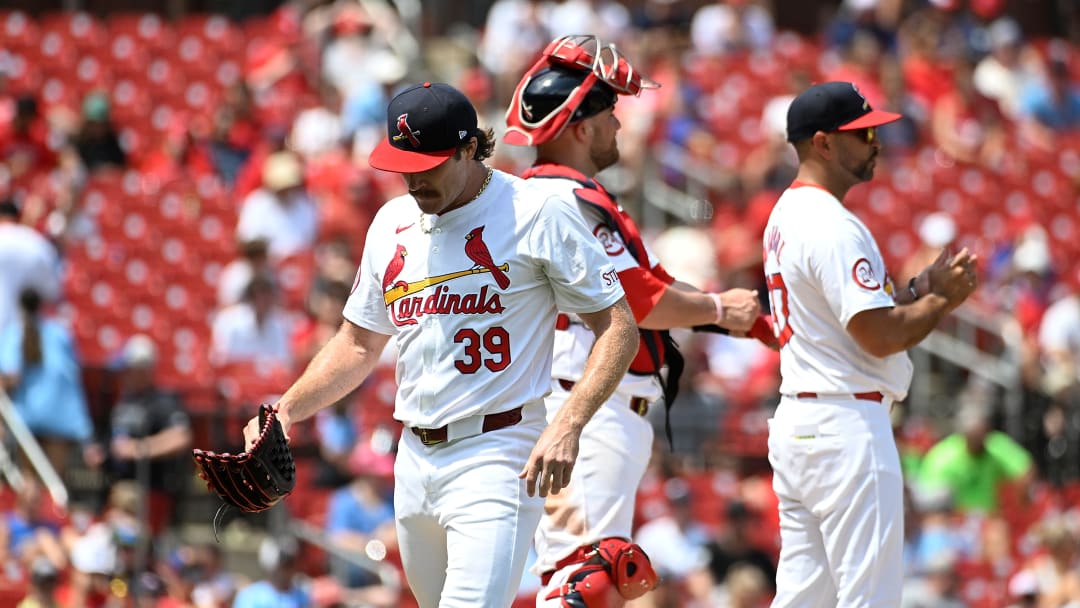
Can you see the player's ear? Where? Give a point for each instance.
(820, 142)
(582, 129)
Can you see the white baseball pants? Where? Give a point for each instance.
(616, 446)
(837, 474)
(464, 520)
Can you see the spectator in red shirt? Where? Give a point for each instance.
(25, 150)
(968, 126)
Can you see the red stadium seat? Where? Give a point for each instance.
(57, 52)
(247, 383)
(55, 93)
(295, 274)
(128, 53)
(216, 30)
(17, 29)
(91, 73)
(167, 82)
(22, 73)
(153, 32)
(81, 28)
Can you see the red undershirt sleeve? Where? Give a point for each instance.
(644, 287)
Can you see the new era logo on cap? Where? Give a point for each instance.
(832, 106)
(425, 125)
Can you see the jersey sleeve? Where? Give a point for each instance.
(581, 275)
(643, 286)
(850, 271)
(366, 306)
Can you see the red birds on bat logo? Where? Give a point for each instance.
(479, 254)
(406, 131)
(393, 269)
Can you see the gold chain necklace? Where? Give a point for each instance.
(426, 227)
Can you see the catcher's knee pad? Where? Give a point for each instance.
(613, 569)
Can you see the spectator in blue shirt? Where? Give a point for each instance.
(1051, 107)
(360, 516)
(280, 589)
(40, 369)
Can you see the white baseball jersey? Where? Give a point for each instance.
(573, 345)
(823, 267)
(471, 296)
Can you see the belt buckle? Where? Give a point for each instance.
(424, 439)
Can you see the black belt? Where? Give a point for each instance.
(638, 405)
(869, 396)
(492, 422)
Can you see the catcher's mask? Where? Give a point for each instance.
(576, 77)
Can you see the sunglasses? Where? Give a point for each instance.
(869, 134)
(585, 53)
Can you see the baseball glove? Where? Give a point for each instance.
(257, 479)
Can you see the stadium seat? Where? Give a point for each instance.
(128, 53)
(55, 93)
(153, 32)
(166, 80)
(244, 384)
(295, 274)
(17, 29)
(92, 74)
(81, 28)
(22, 75)
(215, 30)
(57, 52)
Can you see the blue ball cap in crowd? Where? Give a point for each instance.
(425, 124)
(832, 106)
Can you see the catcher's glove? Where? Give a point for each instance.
(257, 479)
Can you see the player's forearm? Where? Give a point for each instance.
(680, 306)
(887, 331)
(337, 369)
(615, 347)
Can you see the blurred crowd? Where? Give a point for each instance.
(185, 201)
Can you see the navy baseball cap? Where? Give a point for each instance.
(832, 106)
(425, 125)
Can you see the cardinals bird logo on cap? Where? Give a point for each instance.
(406, 131)
(865, 103)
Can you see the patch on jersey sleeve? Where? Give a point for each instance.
(863, 274)
(610, 241)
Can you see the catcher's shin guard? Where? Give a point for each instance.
(614, 568)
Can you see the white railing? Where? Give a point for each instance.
(34, 454)
(311, 533)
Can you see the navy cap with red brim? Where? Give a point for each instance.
(389, 158)
(875, 118)
(832, 106)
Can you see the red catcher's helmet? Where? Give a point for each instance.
(576, 77)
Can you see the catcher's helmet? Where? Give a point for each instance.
(552, 87)
(577, 77)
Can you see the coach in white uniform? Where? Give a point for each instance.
(843, 329)
(467, 271)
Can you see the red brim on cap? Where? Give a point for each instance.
(388, 158)
(873, 118)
